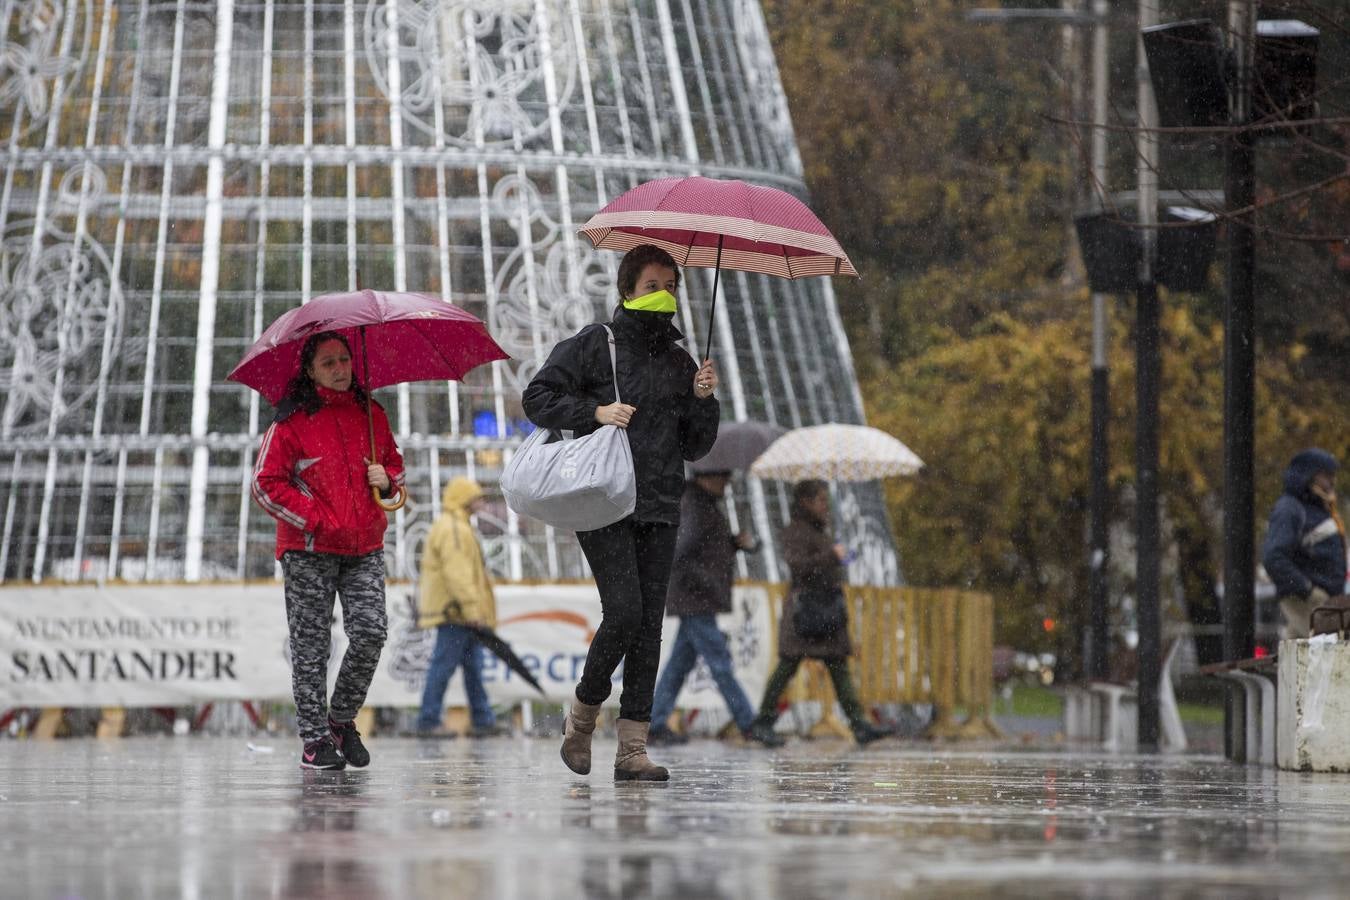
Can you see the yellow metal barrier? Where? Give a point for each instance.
(911, 645)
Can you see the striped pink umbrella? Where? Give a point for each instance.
(712, 223)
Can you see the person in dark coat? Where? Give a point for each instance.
(671, 416)
(1304, 551)
(817, 569)
(700, 588)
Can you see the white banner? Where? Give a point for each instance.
(162, 645)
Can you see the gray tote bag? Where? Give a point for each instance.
(577, 483)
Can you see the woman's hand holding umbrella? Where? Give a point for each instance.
(705, 380)
(376, 476)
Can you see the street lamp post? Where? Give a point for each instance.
(1239, 359)
(1148, 379)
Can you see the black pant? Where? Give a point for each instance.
(631, 561)
(837, 666)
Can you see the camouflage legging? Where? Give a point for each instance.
(311, 581)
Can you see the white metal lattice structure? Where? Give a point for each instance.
(176, 173)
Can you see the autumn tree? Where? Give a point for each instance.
(930, 151)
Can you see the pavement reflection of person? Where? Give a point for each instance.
(795, 781)
(329, 801)
(630, 874)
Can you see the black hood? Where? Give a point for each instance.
(1303, 467)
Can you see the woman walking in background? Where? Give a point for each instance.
(814, 622)
(671, 416)
(314, 476)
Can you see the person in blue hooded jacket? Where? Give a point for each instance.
(1304, 552)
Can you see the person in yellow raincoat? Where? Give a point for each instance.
(454, 592)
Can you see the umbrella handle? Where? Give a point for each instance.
(712, 308)
(390, 505)
(402, 496)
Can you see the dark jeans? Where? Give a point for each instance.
(843, 689)
(631, 562)
(699, 636)
(455, 645)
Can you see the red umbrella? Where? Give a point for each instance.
(714, 224)
(395, 337)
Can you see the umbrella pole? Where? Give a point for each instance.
(717, 274)
(402, 497)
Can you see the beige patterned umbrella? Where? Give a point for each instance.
(836, 453)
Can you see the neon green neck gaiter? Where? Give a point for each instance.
(659, 301)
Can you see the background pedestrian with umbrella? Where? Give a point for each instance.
(670, 416)
(325, 465)
(701, 580)
(814, 619)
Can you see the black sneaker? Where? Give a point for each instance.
(865, 733)
(764, 734)
(322, 754)
(496, 729)
(348, 740)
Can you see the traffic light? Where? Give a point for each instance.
(1191, 71)
(1112, 247)
(1186, 65)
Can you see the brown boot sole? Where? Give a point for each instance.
(562, 751)
(655, 774)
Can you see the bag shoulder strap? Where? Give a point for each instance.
(613, 362)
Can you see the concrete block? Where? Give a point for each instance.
(1314, 705)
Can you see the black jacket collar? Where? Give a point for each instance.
(647, 328)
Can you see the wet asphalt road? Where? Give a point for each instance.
(209, 817)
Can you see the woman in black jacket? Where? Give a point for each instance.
(671, 416)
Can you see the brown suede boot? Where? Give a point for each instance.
(631, 762)
(578, 726)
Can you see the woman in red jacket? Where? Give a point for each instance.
(314, 475)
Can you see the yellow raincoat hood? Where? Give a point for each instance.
(458, 494)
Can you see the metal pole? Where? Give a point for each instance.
(1239, 359)
(717, 276)
(1148, 377)
(1099, 498)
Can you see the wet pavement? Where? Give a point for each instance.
(209, 817)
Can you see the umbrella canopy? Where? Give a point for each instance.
(502, 650)
(395, 337)
(738, 445)
(836, 453)
(710, 223)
